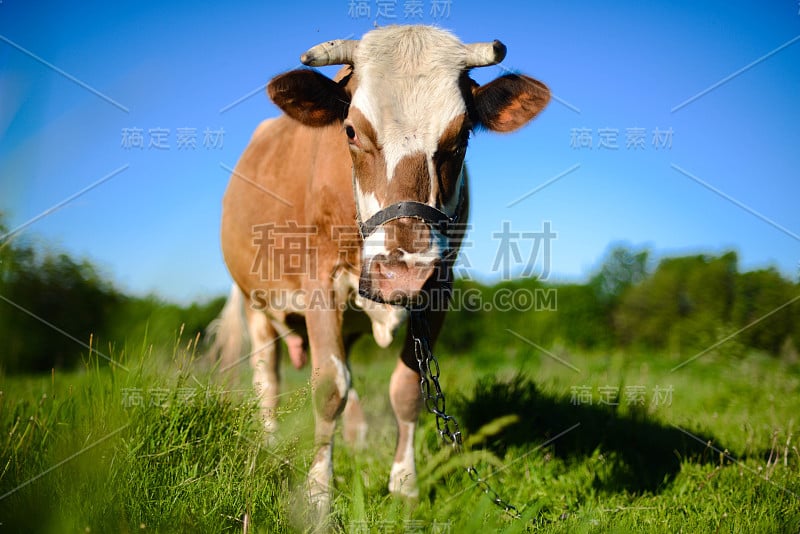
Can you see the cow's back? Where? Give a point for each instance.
(289, 176)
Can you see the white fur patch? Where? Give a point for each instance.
(409, 88)
(386, 319)
(368, 204)
(319, 477)
(342, 378)
(375, 244)
(403, 476)
(439, 243)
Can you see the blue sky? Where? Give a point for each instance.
(710, 81)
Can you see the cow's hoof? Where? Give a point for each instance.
(319, 500)
(318, 491)
(270, 440)
(403, 483)
(270, 437)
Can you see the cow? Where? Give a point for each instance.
(349, 208)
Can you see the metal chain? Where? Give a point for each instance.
(432, 395)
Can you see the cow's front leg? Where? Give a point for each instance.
(330, 382)
(404, 393)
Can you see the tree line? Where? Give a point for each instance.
(51, 305)
(685, 304)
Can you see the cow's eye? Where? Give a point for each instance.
(353, 139)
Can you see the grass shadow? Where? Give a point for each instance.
(646, 455)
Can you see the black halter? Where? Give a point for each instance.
(436, 218)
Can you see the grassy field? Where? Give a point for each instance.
(590, 443)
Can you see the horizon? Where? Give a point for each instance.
(654, 259)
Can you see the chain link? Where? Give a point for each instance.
(433, 397)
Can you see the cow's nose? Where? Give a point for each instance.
(396, 280)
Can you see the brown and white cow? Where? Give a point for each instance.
(314, 253)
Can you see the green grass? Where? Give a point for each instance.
(164, 447)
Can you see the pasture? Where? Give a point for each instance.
(612, 442)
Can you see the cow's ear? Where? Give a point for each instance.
(309, 97)
(509, 102)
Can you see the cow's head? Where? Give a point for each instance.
(406, 108)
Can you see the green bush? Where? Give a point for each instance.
(53, 306)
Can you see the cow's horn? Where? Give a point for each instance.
(485, 54)
(338, 52)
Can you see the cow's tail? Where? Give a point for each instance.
(228, 332)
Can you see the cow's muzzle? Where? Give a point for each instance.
(392, 277)
(393, 280)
